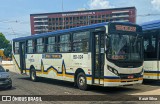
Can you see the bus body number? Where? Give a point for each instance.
(77, 56)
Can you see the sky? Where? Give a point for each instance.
(15, 14)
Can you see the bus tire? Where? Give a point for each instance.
(82, 81)
(33, 76)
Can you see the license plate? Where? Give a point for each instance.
(130, 76)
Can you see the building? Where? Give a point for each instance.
(46, 22)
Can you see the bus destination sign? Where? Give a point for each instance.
(125, 28)
(53, 56)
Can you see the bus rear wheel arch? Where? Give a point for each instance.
(81, 81)
(33, 76)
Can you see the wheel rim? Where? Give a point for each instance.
(82, 81)
(33, 76)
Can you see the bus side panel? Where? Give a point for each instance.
(150, 70)
(60, 68)
(82, 61)
(64, 69)
(33, 59)
(52, 68)
(16, 61)
(67, 70)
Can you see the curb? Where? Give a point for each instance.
(6, 64)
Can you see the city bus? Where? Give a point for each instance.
(151, 34)
(104, 54)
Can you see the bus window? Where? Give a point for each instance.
(64, 43)
(40, 45)
(51, 47)
(80, 41)
(150, 45)
(16, 48)
(30, 46)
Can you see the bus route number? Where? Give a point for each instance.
(77, 56)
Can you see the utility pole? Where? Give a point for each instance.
(62, 17)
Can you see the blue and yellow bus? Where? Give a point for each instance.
(104, 54)
(151, 33)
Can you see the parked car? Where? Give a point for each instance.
(5, 79)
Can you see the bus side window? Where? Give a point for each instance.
(40, 45)
(51, 44)
(16, 47)
(81, 41)
(150, 40)
(30, 46)
(65, 43)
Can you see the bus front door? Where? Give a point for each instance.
(98, 58)
(22, 57)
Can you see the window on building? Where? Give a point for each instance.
(16, 47)
(30, 46)
(40, 45)
(64, 43)
(80, 41)
(51, 44)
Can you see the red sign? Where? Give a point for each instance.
(125, 28)
(130, 76)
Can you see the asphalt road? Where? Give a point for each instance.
(22, 85)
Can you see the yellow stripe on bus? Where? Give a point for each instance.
(121, 80)
(151, 74)
(89, 78)
(70, 76)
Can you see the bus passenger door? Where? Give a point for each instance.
(22, 57)
(98, 58)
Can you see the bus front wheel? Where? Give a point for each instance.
(33, 75)
(81, 81)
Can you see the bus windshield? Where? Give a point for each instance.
(125, 47)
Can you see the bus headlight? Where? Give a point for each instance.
(142, 71)
(112, 70)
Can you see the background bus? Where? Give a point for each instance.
(151, 33)
(105, 54)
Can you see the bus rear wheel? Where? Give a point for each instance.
(81, 81)
(33, 76)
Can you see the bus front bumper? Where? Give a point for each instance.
(122, 82)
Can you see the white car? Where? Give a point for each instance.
(5, 80)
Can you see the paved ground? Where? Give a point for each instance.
(23, 86)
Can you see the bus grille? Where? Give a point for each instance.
(125, 76)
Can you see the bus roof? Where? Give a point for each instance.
(151, 25)
(66, 30)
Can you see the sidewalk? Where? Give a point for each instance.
(11, 67)
(6, 63)
(153, 92)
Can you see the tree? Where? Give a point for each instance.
(8, 50)
(4, 44)
(3, 41)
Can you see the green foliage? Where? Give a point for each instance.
(8, 50)
(4, 44)
(3, 41)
